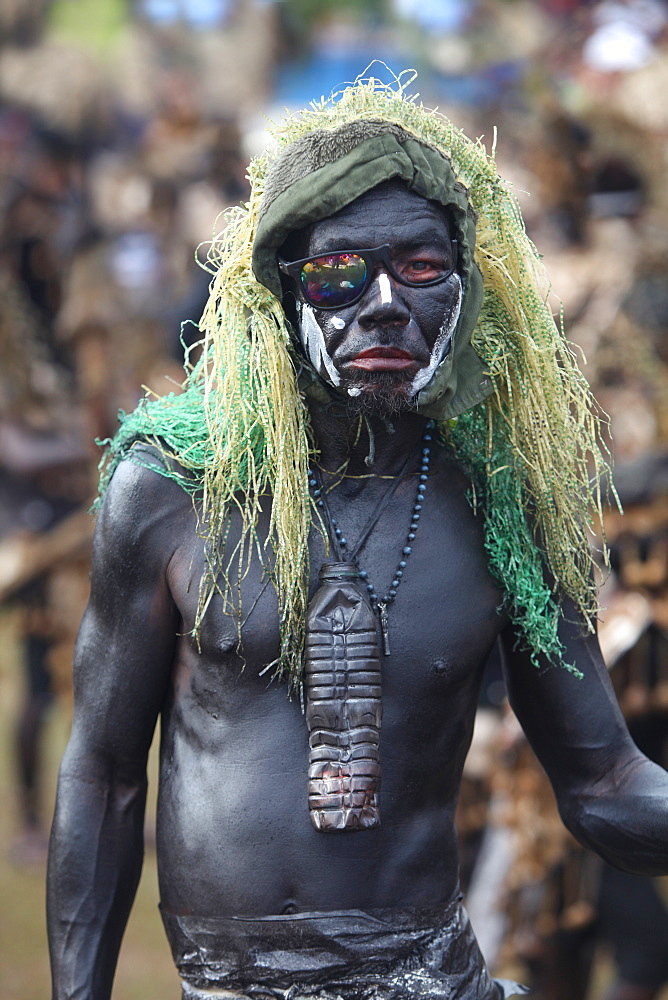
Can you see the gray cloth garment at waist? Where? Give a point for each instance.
(389, 954)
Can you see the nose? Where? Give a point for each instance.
(383, 303)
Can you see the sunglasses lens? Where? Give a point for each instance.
(333, 280)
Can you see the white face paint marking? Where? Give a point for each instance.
(442, 344)
(385, 289)
(314, 344)
(313, 340)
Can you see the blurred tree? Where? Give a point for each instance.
(299, 21)
(92, 24)
(310, 12)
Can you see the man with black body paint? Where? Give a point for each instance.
(239, 862)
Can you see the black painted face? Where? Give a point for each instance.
(382, 350)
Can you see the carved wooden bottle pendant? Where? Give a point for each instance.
(343, 703)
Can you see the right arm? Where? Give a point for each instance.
(122, 669)
(610, 796)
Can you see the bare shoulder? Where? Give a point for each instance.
(144, 508)
(130, 625)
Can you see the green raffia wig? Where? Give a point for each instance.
(509, 399)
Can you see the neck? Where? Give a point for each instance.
(367, 446)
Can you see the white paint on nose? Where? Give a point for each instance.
(338, 323)
(385, 288)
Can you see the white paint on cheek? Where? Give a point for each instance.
(314, 344)
(337, 322)
(385, 289)
(443, 341)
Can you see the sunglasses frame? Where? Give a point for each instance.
(371, 257)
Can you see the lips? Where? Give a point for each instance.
(383, 359)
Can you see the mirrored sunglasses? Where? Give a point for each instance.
(341, 278)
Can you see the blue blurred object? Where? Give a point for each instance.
(200, 14)
(446, 16)
(484, 87)
(331, 67)
(136, 261)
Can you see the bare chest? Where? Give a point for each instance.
(442, 622)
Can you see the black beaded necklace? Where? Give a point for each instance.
(346, 554)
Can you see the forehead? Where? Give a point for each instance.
(389, 213)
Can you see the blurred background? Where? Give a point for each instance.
(125, 130)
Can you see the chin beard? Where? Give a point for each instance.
(380, 394)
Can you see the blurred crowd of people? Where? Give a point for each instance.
(123, 140)
(103, 209)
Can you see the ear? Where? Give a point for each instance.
(289, 300)
(295, 247)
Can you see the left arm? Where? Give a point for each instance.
(610, 796)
